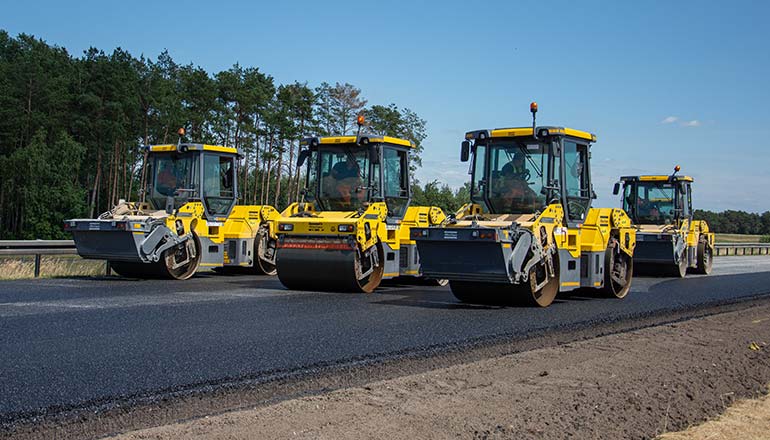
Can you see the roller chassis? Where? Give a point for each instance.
(529, 253)
(352, 229)
(512, 244)
(136, 239)
(135, 236)
(316, 255)
(675, 250)
(538, 235)
(671, 242)
(662, 247)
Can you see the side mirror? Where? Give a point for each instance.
(616, 189)
(465, 151)
(374, 155)
(302, 156)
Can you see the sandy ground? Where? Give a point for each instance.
(746, 420)
(632, 385)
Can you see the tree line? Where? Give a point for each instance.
(71, 128)
(736, 222)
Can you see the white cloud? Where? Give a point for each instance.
(669, 120)
(676, 119)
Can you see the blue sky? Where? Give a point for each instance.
(659, 82)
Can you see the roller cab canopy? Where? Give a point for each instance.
(345, 173)
(515, 172)
(656, 178)
(187, 172)
(518, 132)
(657, 199)
(181, 148)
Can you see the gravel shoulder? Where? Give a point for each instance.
(635, 385)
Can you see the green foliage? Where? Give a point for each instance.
(437, 194)
(764, 239)
(736, 222)
(71, 128)
(46, 188)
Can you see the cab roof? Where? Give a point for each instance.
(527, 132)
(191, 147)
(656, 178)
(310, 141)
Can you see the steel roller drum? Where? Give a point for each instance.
(324, 269)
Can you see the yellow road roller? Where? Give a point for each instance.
(529, 230)
(669, 240)
(187, 219)
(352, 228)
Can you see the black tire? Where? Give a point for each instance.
(618, 271)
(260, 266)
(186, 271)
(373, 280)
(705, 258)
(546, 294)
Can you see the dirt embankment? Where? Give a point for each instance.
(633, 385)
(745, 420)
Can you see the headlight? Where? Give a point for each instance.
(484, 234)
(285, 227)
(346, 228)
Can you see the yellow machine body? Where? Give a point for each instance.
(503, 247)
(322, 247)
(190, 219)
(671, 241)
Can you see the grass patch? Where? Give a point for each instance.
(51, 266)
(737, 238)
(747, 419)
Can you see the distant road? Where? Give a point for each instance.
(73, 342)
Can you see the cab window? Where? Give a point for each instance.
(218, 178)
(395, 181)
(173, 175)
(577, 186)
(344, 178)
(479, 160)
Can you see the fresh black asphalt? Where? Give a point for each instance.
(72, 342)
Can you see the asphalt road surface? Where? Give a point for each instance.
(73, 343)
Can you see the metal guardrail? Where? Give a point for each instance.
(38, 248)
(725, 249)
(67, 247)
